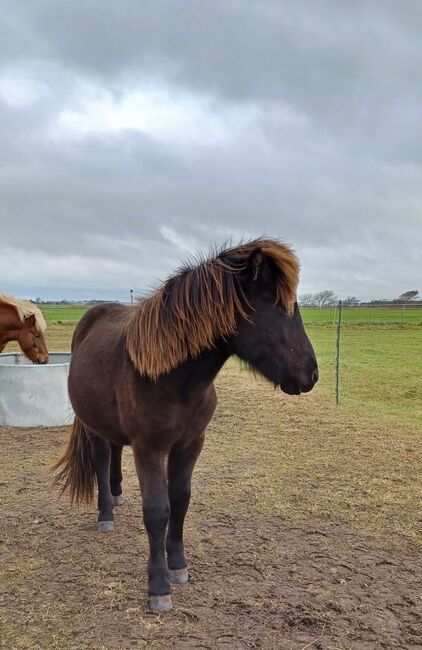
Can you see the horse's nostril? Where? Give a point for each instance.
(315, 376)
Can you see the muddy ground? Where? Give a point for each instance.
(304, 532)
(255, 581)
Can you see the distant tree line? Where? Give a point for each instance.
(328, 298)
(325, 298)
(407, 296)
(39, 301)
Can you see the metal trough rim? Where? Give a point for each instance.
(19, 366)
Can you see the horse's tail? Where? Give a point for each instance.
(77, 473)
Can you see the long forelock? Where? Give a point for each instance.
(200, 304)
(24, 308)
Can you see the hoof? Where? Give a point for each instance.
(160, 604)
(105, 526)
(179, 576)
(118, 501)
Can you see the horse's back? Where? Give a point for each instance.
(109, 317)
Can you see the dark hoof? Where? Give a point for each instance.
(160, 604)
(105, 526)
(179, 576)
(118, 501)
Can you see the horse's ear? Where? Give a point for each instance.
(30, 320)
(257, 264)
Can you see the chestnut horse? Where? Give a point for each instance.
(143, 376)
(22, 321)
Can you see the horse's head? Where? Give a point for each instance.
(32, 341)
(272, 340)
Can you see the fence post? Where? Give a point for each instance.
(402, 314)
(338, 353)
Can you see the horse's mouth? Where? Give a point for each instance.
(290, 389)
(296, 386)
(296, 389)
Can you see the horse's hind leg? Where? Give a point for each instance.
(181, 463)
(116, 476)
(101, 456)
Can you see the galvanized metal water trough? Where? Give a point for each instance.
(34, 395)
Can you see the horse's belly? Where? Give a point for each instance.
(92, 393)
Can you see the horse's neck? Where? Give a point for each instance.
(200, 372)
(10, 325)
(8, 335)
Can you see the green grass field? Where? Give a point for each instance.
(380, 369)
(326, 315)
(66, 314)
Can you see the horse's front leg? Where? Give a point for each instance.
(152, 476)
(181, 463)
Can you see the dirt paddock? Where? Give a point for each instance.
(302, 533)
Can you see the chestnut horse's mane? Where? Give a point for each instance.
(200, 304)
(24, 308)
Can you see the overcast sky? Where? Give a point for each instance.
(134, 133)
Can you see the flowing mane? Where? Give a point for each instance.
(201, 304)
(24, 308)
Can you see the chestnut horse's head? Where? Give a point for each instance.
(31, 341)
(272, 339)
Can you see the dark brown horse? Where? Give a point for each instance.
(143, 376)
(22, 321)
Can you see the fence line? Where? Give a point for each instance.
(339, 308)
(375, 315)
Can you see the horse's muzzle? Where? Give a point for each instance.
(296, 387)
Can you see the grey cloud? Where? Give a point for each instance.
(330, 158)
